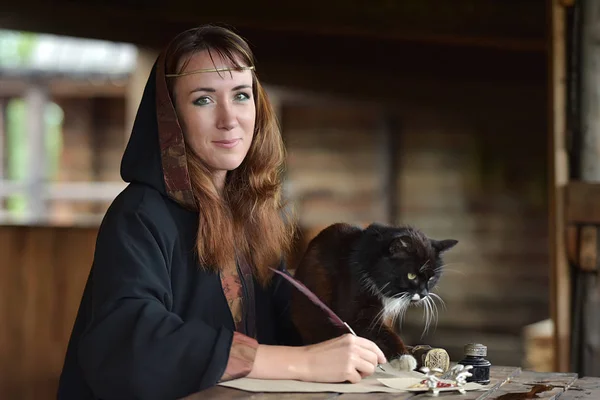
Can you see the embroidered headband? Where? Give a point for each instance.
(198, 71)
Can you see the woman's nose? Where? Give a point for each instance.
(226, 118)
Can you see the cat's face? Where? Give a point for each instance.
(401, 265)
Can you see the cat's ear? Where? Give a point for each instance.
(401, 243)
(443, 245)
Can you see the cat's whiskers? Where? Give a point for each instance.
(435, 295)
(431, 312)
(423, 266)
(426, 315)
(393, 309)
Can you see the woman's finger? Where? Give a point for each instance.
(371, 346)
(364, 367)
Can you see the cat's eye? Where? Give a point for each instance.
(412, 276)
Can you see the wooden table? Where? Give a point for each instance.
(513, 384)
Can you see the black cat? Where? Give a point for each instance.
(368, 277)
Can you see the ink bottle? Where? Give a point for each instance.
(475, 355)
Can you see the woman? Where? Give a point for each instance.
(180, 295)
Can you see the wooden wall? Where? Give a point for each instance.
(472, 169)
(42, 274)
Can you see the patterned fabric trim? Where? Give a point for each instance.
(241, 357)
(248, 284)
(233, 290)
(172, 146)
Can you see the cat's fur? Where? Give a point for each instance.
(363, 276)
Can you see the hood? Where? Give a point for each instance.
(155, 154)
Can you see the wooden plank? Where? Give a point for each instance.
(557, 379)
(511, 384)
(378, 396)
(584, 388)
(581, 201)
(519, 391)
(220, 392)
(498, 377)
(530, 384)
(499, 374)
(558, 173)
(42, 275)
(388, 169)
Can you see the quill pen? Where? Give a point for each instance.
(333, 317)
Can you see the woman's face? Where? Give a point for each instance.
(216, 111)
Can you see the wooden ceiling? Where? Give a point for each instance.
(513, 24)
(461, 40)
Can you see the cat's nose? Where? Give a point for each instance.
(424, 293)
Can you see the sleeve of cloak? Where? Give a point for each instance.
(133, 346)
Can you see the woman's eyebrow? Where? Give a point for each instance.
(203, 89)
(211, 90)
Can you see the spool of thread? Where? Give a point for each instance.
(430, 357)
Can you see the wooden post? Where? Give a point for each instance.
(588, 286)
(560, 301)
(36, 98)
(3, 103)
(2, 140)
(590, 92)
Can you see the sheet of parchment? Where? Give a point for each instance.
(395, 382)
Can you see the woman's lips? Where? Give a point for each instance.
(226, 144)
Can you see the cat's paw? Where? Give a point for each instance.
(405, 362)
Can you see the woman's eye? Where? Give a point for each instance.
(242, 97)
(411, 276)
(202, 101)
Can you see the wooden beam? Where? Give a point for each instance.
(560, 301)
(63, 87)
(509, 24)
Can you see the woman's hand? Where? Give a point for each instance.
(346, 358)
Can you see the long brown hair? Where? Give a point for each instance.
(249, 217)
